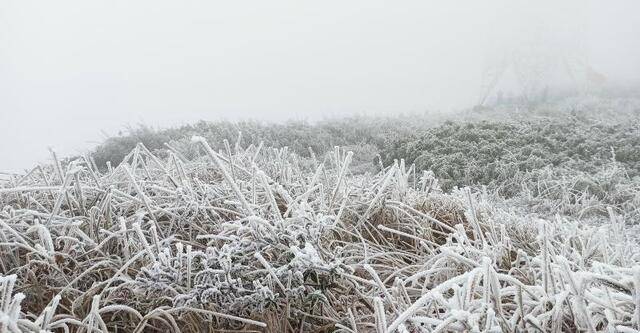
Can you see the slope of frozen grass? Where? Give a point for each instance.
(261, 239)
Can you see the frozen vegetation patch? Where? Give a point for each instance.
(567, 165)
(254, 238)
(605, 110)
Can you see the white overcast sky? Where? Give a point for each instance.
(71, 69)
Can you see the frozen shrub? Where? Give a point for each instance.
(256, 238)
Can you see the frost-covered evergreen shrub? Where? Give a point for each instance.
(494, 153)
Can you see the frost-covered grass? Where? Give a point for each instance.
(261, 239)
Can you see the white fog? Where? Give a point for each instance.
(73, 71)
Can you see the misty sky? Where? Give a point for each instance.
(72, 69)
